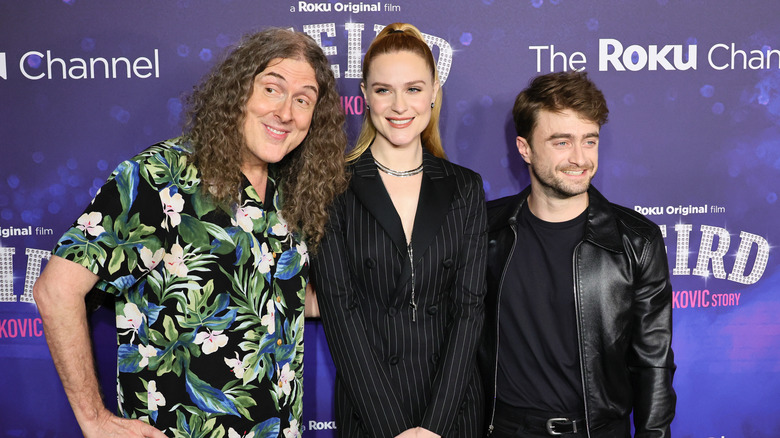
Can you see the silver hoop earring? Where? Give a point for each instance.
(432, 103)
(367, 107)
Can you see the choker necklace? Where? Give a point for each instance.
(401, 173)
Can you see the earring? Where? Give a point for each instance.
(432, 105)
(367, 107)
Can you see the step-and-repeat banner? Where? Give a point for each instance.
(693, 142)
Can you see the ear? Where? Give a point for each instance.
(436, 87)
(524, 148)
(363, 90)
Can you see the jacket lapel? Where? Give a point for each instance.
(602, 226)
(432, 207)
(368, 188)
(436, 195)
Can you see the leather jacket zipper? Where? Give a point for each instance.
(579, 336)
(498, 313)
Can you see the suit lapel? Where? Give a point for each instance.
(436, 192)
(434, 203)
(368, 188)
(435, 197)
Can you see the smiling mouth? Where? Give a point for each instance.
(275, 132)
(574, 172)
(400, 122)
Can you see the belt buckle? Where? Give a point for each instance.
(551, 423)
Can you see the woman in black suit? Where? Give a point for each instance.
(400, 272)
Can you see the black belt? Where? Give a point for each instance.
(560, 426)
(540, 421)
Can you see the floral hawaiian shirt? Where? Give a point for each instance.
(209, 312)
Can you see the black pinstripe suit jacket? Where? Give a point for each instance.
(394, 373)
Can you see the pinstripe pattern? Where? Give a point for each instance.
(392, 373)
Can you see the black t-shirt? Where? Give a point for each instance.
(538, 361)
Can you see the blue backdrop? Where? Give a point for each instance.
(693, 142)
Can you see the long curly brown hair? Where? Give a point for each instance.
(312, 174)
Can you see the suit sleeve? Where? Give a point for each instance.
(467, 295)
(651, 360)
(360, 370)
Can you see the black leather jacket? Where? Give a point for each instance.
(624, 314)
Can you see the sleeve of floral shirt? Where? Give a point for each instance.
(119, 235)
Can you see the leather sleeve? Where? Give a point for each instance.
(650, 357)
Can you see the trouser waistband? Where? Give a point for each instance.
(551, 423)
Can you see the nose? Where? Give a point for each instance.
(577, 155)
(284, 109)
(399, 103)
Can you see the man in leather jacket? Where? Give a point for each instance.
(579, 313)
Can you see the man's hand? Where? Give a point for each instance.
(59, 294)
(109, 425)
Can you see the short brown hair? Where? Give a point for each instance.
(556, 92)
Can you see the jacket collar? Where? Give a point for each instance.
(436, 192)
(601, 228)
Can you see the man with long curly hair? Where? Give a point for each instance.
(204, 240)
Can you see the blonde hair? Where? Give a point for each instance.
(401, 37)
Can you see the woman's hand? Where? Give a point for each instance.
(417, 432)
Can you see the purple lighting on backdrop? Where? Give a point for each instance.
(120, 114)
(223, 41)
(175, 108)
(183, 50)
(13, 181)
(34, 61)
(700, 136)
(87, 44)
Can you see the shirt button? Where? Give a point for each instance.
(392, 311)
(393, 360)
